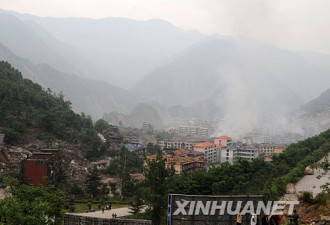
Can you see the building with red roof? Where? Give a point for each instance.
(181, 152)
(223, 140)
(203, 146)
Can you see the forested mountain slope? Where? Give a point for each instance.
(29, 113)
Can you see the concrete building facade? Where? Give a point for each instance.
(233, 153)
(223, 140)
(192, 130)
(167, 144)
(210, 151)
(268, 149)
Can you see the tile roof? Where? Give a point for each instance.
(181, 151)
(223, 137)
(204, 145)
(268, 159)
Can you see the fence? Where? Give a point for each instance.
(83, 220)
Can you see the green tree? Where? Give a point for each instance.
(158, 180)
(128, 189)
(152, 149)
(93, 182)
(33, 205)
(61, 179)
(113, 188)
(101, 125)
(325, 167)
(113, 169)
(77, 190)
(137, 204)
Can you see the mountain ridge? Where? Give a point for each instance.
(117, 42)
(92, 97)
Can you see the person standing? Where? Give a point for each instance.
(239, 218)
(295, 217)
(253, 219)
(274, 220)
(265, 220)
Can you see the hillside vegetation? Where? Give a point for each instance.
(28, 112)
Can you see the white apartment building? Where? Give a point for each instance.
(235, 152)
(176, 145)
(227, 155)
(202, 131)
(267, 149)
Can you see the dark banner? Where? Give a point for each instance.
(212, 210)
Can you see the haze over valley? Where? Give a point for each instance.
(151, 71)
(164, 112)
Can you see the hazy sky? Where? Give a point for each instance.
(293, 24)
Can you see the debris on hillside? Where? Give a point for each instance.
(310, 213)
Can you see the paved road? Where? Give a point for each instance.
(125, 211)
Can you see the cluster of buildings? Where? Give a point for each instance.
(173, 144)
(287, 140)
(146, 127)
(136, 147)
(268, 137)
(223, 149)
(183, 160)
(194, 130)
(219, 150)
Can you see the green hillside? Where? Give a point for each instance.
(27, 113)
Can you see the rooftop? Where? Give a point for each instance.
(223, 137)
(268, 159)
(181, 151)
(242, 147)
(204, 145)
